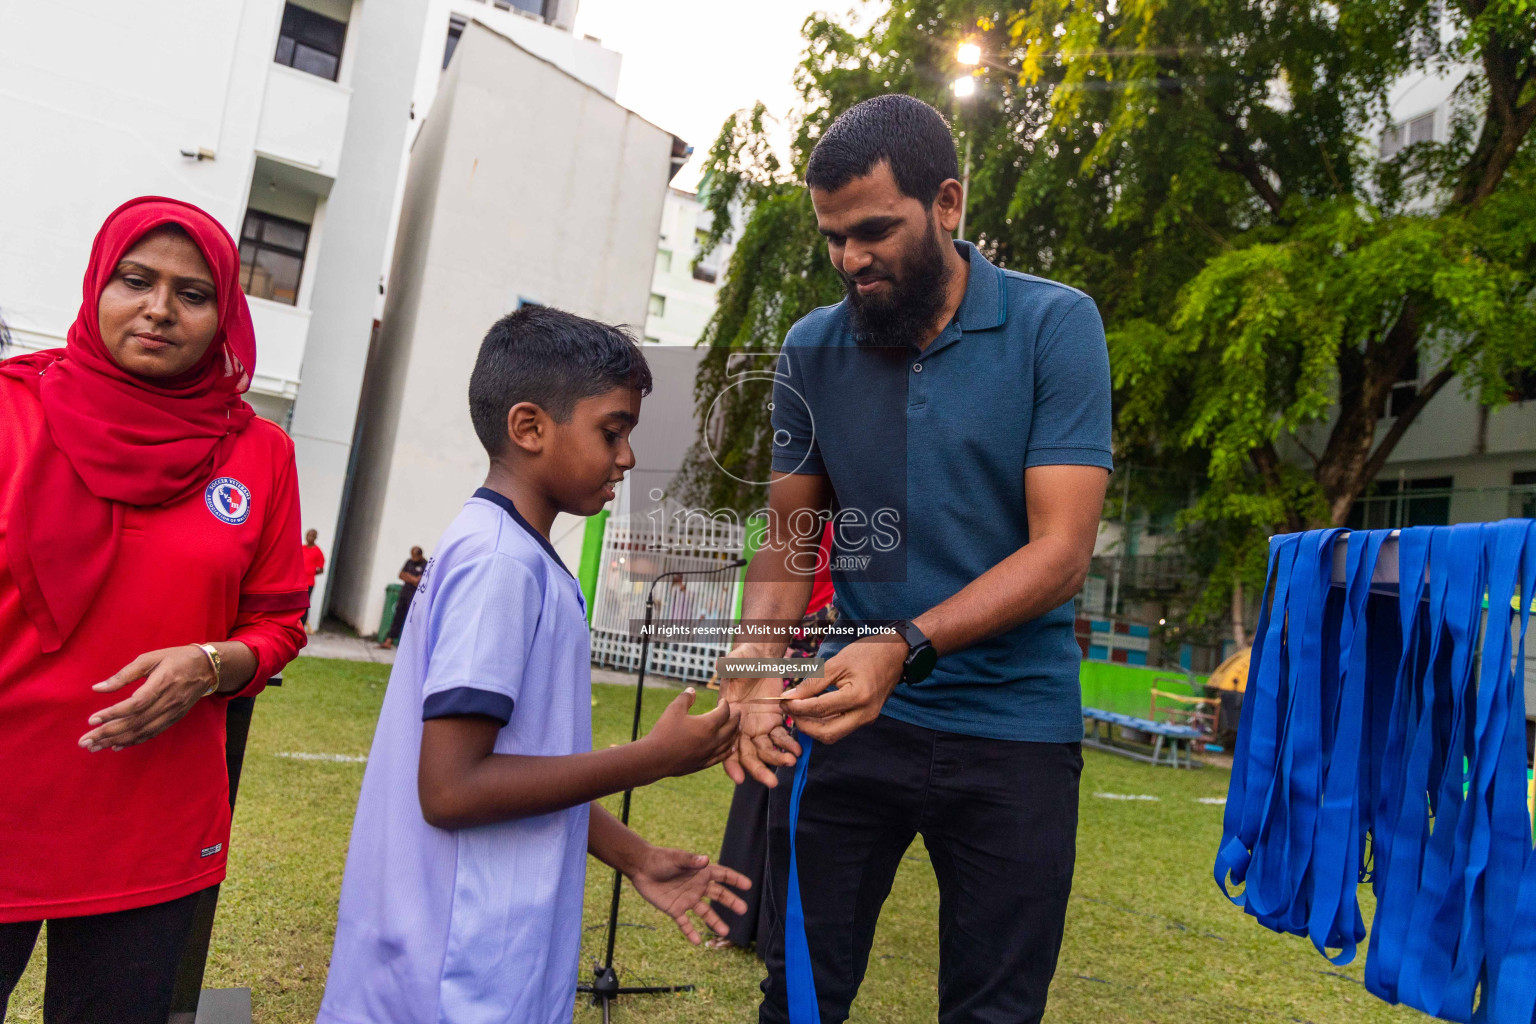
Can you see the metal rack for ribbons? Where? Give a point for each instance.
(1383, 740)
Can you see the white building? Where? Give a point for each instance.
(490, 222)
(290, 122)
(684, 287)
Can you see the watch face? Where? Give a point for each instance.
(920, 663)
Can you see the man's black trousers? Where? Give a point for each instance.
(999, 820)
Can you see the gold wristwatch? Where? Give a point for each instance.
(218, 667)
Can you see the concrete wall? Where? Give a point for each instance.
(667, 427)
(490, 218)
(384, 36)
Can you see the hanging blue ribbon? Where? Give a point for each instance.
(803, 1008)
(1382, 739)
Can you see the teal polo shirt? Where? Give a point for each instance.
(926, 452)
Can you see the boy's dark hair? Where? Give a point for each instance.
(553, 359)
(901, 130)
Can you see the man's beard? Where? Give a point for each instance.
(917, 295)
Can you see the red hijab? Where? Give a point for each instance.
(115, 439)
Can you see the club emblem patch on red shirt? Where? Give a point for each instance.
(228, 500)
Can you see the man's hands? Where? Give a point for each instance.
(764, 742)
(676, 882)
(174, 679)
(684, 743)
(865, 672)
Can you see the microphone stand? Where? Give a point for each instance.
(605, 987)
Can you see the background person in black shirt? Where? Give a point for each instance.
(410, 575)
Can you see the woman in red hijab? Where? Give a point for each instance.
(149, 570)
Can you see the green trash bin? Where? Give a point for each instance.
(391, 599)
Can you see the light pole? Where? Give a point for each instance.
(965, 87)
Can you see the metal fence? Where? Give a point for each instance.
(636, 550)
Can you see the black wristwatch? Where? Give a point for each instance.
(921, 657)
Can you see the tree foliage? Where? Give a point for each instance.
(1210, 172)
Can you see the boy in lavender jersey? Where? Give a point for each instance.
(463, 889)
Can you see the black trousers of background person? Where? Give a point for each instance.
(999, 820)
(118, 967)
(745, 848)
(402, 609)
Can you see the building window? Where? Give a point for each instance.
(1396, 504)
(533, 7)
(664, 261)
(1522, 498)
(456, 23)
(1522, 385)
(705, 268)
(272, 256)
(658, 305)
(310, 42)
(1399, 137)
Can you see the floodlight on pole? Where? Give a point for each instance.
(969, 53)
(965, 87)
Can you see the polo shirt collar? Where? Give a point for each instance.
(510, 509)
(985, 305)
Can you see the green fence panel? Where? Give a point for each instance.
(1128, 688)
(592, 558)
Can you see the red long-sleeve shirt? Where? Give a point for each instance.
(84, 833)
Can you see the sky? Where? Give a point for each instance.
(689, 64)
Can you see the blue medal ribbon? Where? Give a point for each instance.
(801, 983)
(1383, 739)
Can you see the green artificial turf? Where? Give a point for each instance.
(1149, 938)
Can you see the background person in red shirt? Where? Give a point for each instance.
(150, 569)
(314, 565)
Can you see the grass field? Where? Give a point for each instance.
(1149, 938)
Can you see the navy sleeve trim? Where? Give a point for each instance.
(467, 700)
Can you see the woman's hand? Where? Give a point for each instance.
(676, 882)
(174, 679)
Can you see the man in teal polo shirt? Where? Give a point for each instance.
(953, 419)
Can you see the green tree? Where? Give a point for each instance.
(1210, 172)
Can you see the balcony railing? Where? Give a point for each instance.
(281, 334)
(1443, 506)
(1145, 572)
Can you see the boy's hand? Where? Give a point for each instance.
(676, 882)
(684, 743)
(764, 742)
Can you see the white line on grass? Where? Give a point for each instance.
(1215, 801)
(337, 758)
(1127, 796)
